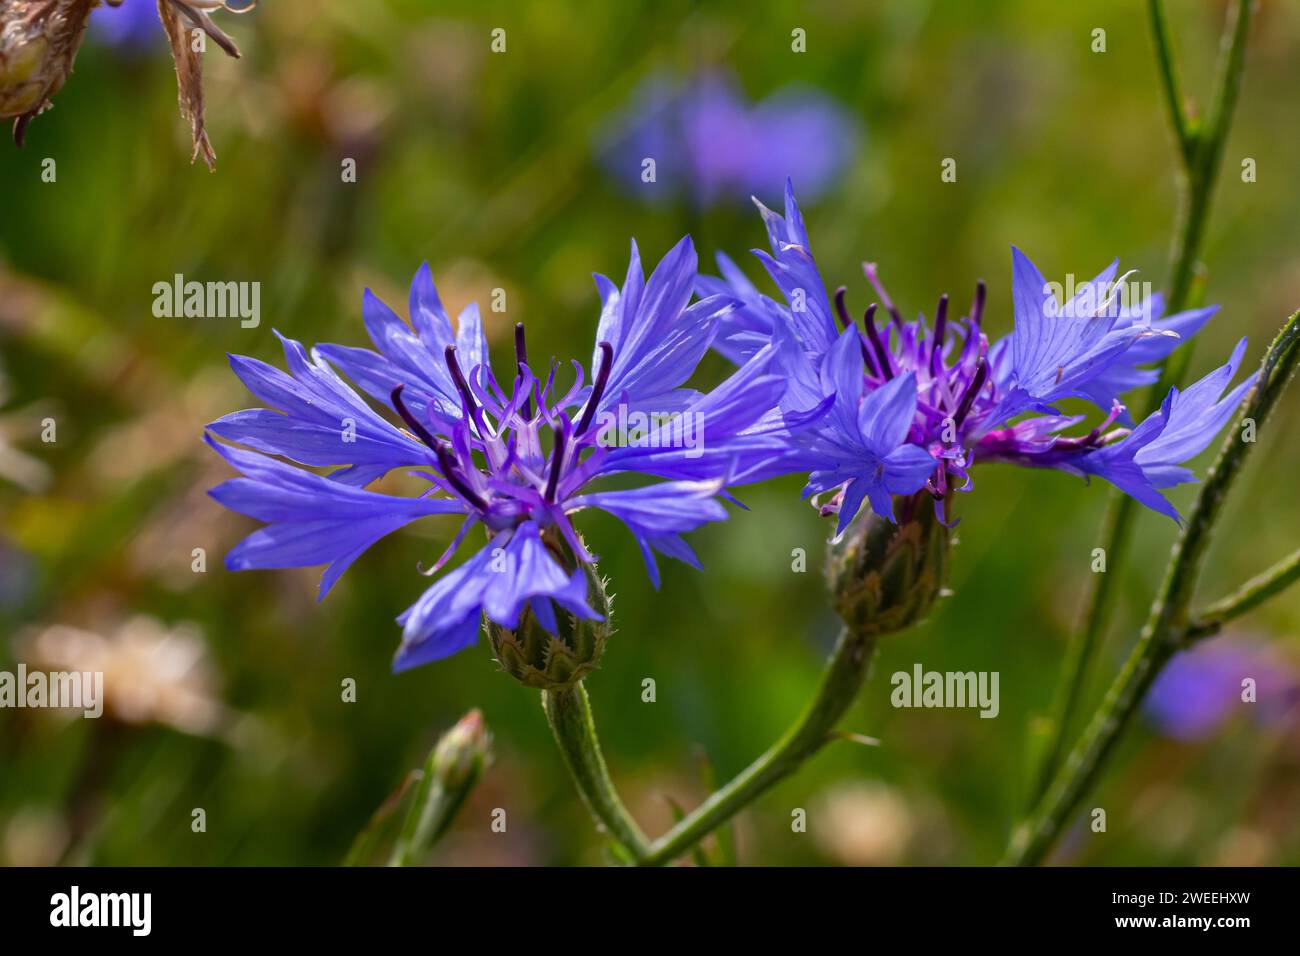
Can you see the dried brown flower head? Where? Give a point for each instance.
(39, 40)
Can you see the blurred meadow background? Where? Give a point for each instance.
(503, 170)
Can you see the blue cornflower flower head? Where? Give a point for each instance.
(916, 403)
(712, 145)
(131, 27)
(519, 465)
(1202, 688)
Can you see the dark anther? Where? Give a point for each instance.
(597, 388)
(972, 391)
(521, 360)
(840, 308)
(449, 471)
(557, 461)
(445, 460)
(420, 431)
(458, 377)
(882, 356)
(940, 325)
(842, 311)
(977, 307)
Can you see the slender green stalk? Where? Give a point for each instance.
(1201, 149)
(1167, 628)
(1075, 668)
(840, 683)
(1247, 597)
(1207, 145)
(1169, 78)
(450, 772)
(569, 714)
(571, 721)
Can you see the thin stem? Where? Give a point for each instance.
(1115, 533)
(1246, 598)
(569, 714)
(1202, 152)
(840, 683)
(1169, 78)
(1166, 630)
(1202, 172)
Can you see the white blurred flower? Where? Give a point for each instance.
(864, 824)
(152, 673)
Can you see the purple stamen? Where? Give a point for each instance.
(840, 308)
(597, 387)
(1093, 437)
(421, 432)
(882, 356)
(557, 458)
(869, 270)
(457, 376)
(449, 471)
(940, 322)
(977, 307)
(972, 391)
(845, 322)
(521, 360)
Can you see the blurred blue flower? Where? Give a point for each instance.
(971, 398)
(520, 465)
(1201, 689)
(711, 145)
(133, 27)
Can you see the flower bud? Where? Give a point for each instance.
(462, 753)
(884, 577)
(557, 661)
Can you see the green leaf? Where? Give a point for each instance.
(366, 849)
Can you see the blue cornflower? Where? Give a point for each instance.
(946, 392)
(1199, 690)
(133, 26)
(520, 464)
(712, 145)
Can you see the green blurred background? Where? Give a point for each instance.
(482, 164)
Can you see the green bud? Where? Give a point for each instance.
(450, 772)
(546, 661)
(884, 577)
(462, 753)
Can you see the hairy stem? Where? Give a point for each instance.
(1247, 597)
(569, 714)
(1201, 150)
(1169, 78)
(1167, 628)
(841, 680)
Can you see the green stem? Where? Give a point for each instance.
(1201, 151)
(1247, 597)
(430, 816)
(1202, 172)
(569, 714)
(840, 683)
(1166, 630)
(1169, 78)
(1075, 668)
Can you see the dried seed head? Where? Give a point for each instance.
(39, 40)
